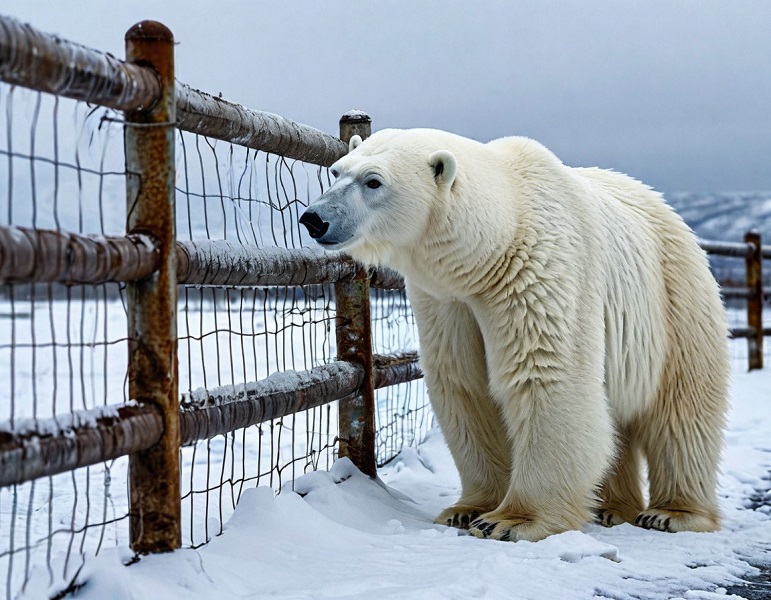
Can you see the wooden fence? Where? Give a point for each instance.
(753, 292)
(151, 427)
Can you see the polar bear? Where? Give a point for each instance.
(569, 326)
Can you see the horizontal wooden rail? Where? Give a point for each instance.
(208, 413)
(225, 263)
(736, 292)
(744, 293)
(746, 332)
(204, 114)
(43, 255)
(390, 370)
(738, 249)
(42, 447)
(37, 448)
(47, 63)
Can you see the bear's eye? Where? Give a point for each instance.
(373, 184)
(335, 173)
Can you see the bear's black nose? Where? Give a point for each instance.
(315, 224)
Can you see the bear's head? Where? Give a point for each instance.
(385, 192)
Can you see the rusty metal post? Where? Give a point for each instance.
(154, 488)
(754, 274)
(354, 342)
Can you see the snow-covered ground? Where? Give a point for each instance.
(342, 535)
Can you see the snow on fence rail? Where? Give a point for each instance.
(223, 261)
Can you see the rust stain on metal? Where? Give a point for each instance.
(754, 274)
(354, 344)
(353, 329)
(152, 302)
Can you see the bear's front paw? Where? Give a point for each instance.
(505, 530)
(511, 527)
(607, 517)
(459, 515)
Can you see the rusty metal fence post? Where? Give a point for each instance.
(154, 487)
(754, 275)
(354, 342)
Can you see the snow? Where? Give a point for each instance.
(355, 113)
(340, 534)
(275, 383)
(61, 424)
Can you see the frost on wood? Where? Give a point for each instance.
(39, 447)
(58, 256)
(204, 114)
(393, 369)
(44, 62)
(726, 248)
(222, 262)
(207, 413)
(225, 263)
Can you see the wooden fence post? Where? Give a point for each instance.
(754, 274)
(354, 342)
(154, 488)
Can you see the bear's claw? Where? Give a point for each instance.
(653, 521)
(608, 518)
(662, 519)
(482, 529)
(459, 516)
(461, 520)
(506, 530)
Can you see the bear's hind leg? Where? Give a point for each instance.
(682, 439)
(621, 498)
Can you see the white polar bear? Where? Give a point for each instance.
(568, 321)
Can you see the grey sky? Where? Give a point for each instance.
(676, 93)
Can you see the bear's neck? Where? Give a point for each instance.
(491, 252)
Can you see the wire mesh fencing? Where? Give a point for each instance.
(62, 348)
(229, 337)
(254, 324)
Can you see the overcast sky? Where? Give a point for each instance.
(676, 93)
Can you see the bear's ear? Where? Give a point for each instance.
(354, 143)
(444, 166)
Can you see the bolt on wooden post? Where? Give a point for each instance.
(154, 488)
(354, 342)
(754, 274)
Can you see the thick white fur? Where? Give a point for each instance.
(569, 325)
